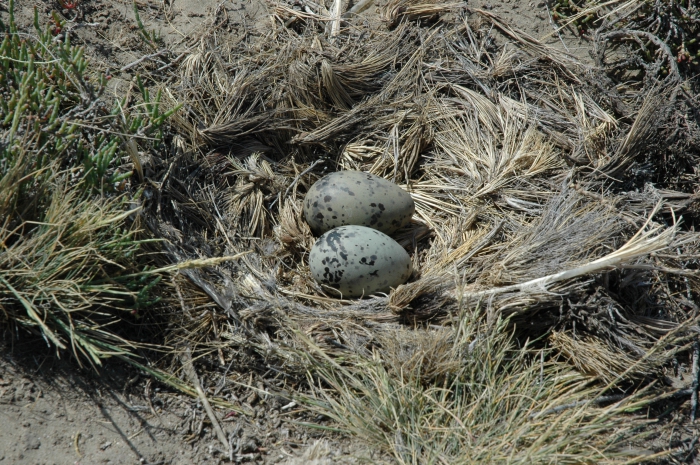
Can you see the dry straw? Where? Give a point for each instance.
(526, 226)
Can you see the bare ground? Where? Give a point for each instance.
(52, 412)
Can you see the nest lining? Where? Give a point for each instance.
(512, 152)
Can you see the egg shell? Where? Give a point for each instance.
(357, 198)
(358, 261)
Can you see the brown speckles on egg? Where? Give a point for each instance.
(357, 198)
(359, 261)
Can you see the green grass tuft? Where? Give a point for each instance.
(70, 264)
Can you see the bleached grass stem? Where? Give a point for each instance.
(191, 373)
(642, 243)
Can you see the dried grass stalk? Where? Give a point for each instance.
(507, 152)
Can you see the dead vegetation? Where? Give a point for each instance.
(529, 226)
(552, 286)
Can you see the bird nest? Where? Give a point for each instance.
(533, 175)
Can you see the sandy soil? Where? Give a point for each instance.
(52, 411)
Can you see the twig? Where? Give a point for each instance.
(691, 448)
(189, 264)
(320, 9)
(359, 7)
(76, 444)
(527, 40)
(144, 58)
(296, 180)
(147, 394)
(681, 393)
(73, 27)
(136, 434)
(172, 63)
(551, 22)
(186, 360)
(696, 381)
(334, 26)
(583, 13)
(77, 26)
(310, 14)
(483, 243)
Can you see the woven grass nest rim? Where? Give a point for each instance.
(528, 211)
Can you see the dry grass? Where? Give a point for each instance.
(500, 403)
(56, 269)
(546, 275)
(526, 228)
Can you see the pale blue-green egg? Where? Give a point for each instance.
(358, 261)
(357, 198)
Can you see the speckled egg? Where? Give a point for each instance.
(358, 261)
(357, 198)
